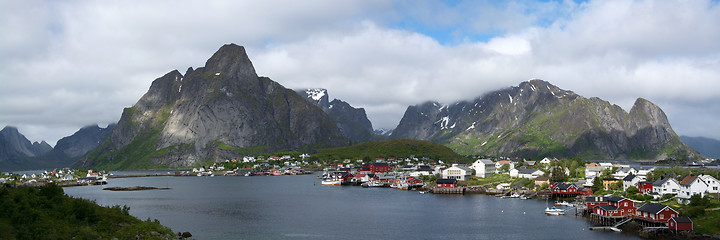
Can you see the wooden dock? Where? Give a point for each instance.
(460, 190)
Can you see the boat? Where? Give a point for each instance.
(400, 185)
(563, 203)
(554, 211)
(523, 197)
(331, 182)
(375, 184)
(515, 195)
(422, 192)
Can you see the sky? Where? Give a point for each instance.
(68, 64)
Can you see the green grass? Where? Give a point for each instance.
(492, 179)
(708, 223)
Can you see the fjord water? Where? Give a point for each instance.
(299, 207)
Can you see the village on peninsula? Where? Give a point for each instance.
(658, 200)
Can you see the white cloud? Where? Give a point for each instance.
(68, 64)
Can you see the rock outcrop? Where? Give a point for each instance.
(353, 122)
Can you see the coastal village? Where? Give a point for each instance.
(608, 194)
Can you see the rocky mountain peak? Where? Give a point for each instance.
(220, 111)
(231, 59)
(538, 119)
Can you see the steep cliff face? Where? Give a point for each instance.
(538, 119)
(220, 111)
(353, 122)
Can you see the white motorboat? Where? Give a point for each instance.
(332, 182)
(554, 211)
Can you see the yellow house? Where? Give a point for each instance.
(609, 182)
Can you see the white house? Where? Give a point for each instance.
(546, 161)
(500, 163)
(691, 185)
(713, 183)
(631, 180)
(483, 168)
(666, 186)
(528, 173)
(460, 173)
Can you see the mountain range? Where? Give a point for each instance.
(224, 110)
(17, 153)
(537, 119)
(706, 146)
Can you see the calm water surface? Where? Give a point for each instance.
(298, 207)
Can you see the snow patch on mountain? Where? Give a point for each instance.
(316, 93)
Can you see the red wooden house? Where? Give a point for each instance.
(379, 167)
(680, 224)
(644, 187)
(345, 177)
(656, 213)
(446, 183)
(414, 182)
(564, 188)
(607, 211)
(624, 205)
(592, 202)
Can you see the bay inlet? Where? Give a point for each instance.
(299, 207)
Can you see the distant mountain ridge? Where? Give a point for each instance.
(706, 146)
(537, 119)
(16, 152)
(15, 148)
(220, 111)
(353, 122)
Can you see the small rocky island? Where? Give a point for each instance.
(135, 188)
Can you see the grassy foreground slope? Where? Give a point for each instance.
(396, 148)
(47, 213)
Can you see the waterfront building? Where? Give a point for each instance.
(483, 168)
(656, 213)
(626, 206)
(446, 183)
(680, 224)
(379, 167)
(593, 201)
(458, 172)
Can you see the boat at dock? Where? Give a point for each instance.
(331, 182)
(554, 211)
(563, 203)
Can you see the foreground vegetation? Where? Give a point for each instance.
(47, 213)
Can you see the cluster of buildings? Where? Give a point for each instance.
(682, 187)
(619, 210)
(61, 176)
